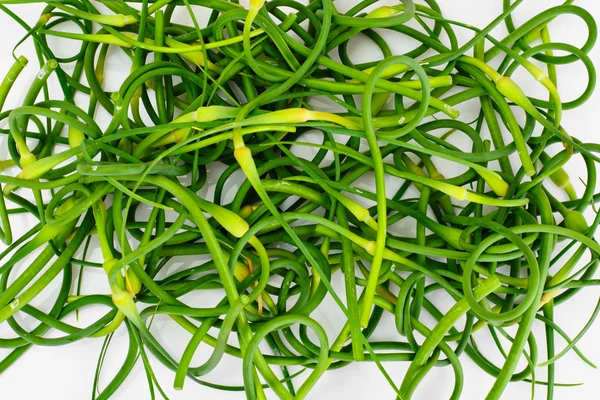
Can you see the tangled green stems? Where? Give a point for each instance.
(232, 102)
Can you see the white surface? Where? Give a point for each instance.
(67, 372)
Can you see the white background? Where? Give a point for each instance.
(67, 372)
